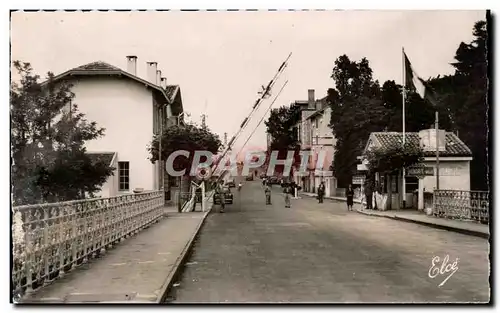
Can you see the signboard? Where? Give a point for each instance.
(358, 179)
(420, 171)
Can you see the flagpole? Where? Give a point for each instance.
(404, 135)
(437, 149)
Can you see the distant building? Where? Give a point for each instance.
(131, 109)
(316, 137)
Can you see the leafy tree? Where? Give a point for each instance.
(357, 110)
(282, 127)
(47, 142)
(463, 99)
(393, 158)
(187, 137)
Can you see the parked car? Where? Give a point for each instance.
(273, 180)
(228, 195)
(231, 183)
(263, 175)
(249, 178)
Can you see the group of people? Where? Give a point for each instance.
(287, 190)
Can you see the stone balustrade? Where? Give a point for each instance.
(462, 204)
(53, 238)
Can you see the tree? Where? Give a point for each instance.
(184, 137)
(48, 134)
(282, 127)
(463, 98)
(386, 160)
(357, 110)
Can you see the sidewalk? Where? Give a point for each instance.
(139, 270)
(413, 216)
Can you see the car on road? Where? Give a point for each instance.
(228, 195)
(249, 178)
(263, 175)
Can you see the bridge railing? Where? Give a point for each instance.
(462, 204)
(53, 238)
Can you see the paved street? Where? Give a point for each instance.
(322, 253)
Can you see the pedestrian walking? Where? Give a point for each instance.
(267, 192)
(287, 197)
(321, 192)
(350, 197)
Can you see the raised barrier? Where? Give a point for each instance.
(53, 238)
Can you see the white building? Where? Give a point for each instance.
(454, 166)
(316, 137)
(130, 109)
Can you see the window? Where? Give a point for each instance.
(411, 184)
(124, 175)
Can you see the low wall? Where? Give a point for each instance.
(53, 238)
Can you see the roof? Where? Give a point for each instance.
(97, 66)
(103, 68)
(105, 157)
(454, 146)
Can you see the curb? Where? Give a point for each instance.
(403, 219)
(181, 260)
(463, 231)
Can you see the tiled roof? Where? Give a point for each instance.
(97, 66)
(454, 146)
(105, 157)
(170, 90)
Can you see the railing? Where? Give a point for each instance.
(51, 239)
(461, 204)
(339, 192)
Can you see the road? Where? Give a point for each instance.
(315, 252)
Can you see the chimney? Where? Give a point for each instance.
(163, 82)
(311, 99)
(158, 77)
(428, 139)
(132, 64)
(151, 72)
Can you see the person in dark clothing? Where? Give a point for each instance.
(369, 194)
(350, 197)
(321, 192)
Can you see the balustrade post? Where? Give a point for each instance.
(47, 248)
(62, 241)
(29, 256)
(110, 224)
(95, 233)
(103, 228)
(74, 235)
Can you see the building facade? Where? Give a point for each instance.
(454, 167)
(132, 110)
(317, 140)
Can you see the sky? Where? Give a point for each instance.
(220, 59)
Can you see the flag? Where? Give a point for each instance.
(415, 83)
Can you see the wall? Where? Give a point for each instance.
(124, 108)
(110, 187)
(454, 175)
